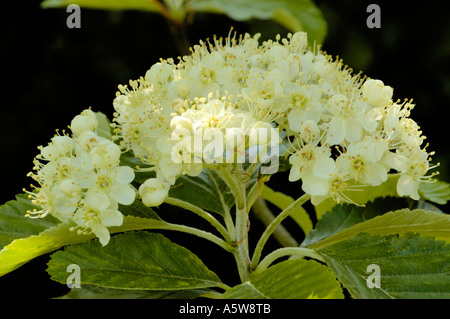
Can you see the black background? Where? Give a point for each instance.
(50, 73)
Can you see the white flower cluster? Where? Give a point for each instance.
(80, 179)
(344, 131)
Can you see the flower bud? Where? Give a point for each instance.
(376, 93)
(153, 192)
(86, 121)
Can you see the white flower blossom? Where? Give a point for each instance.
(362, 161)
(241, 85)
(96, 214)
(217, 109)
(80, 179)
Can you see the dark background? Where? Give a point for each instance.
(50, 73)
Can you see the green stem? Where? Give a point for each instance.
(200, 212)
(287, 251)
(198, 232)
(270, 229)
(255, 191)
(262, 212)
(241, 254)
(227, 215)
(235, 185)
(178, 30)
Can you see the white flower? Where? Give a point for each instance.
(310, 132)
(305, 104)
(105, 154)
(209, 75)
(318, 184)
(168, 170)
(299, 41)
(69, 187)
(116, 183)
(349, 118)
(304, 159)
(413, 165)
(87, 140)
(80, 179)
(52, 201)
(96, 214)
(408, 185)
(60, 146)
(362, 161)
(327, 180)
(160, 73)
(153, 192)
(181, 123)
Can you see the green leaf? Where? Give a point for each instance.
(103, 128)
(344, 216)
(207, 191)
(401, 222)
(138, 209)
(96, 292)
(134, 260)
(22, 250)
(409, 266)
(290, 279)
(437, 192)
(144, 5)
(282, 201)
(294, 15)
(14, 224)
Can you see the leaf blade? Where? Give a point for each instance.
(22, 250)
(437, 192)
(14, 224)
(290, 279)
(96, 292)
(344, 216)
(135, 260)
(300, 15)
(426, 223)
(410, 266)
(106, 5)
(205, 190)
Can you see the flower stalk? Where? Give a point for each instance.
(263, 213)
(273, 225)
(286, 251)
(202, 213)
